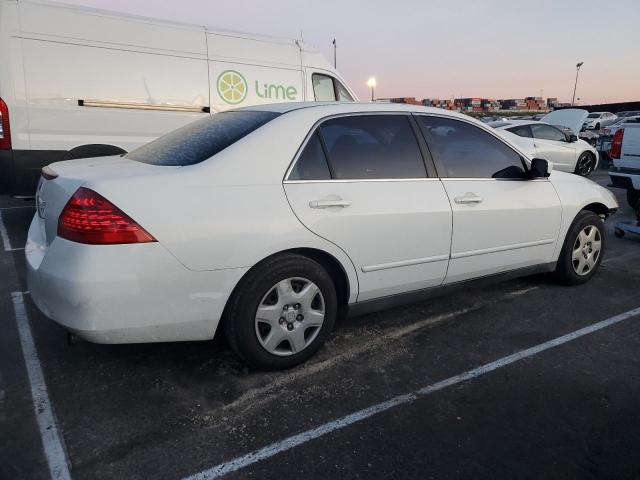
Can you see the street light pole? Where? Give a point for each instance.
(335, 60)
(573, 100)
(371, 83)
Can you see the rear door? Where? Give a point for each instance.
(552, 145)
(501, 222)
(361, 182)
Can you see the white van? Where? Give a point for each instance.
(78, 82)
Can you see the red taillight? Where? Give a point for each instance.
(616, 144)
(90, 218)
(5, 132)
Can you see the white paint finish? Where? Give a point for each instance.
(400, 220)
(512, 212)
(54, 55)
(52, 441)
(216, 219)
(110, 294)
(572, 118)
(293, 441)
(58, 123)
(630, 151)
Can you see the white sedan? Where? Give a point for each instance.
(275, 220)
(554, 138)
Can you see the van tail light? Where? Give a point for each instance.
(5, 132)
(616, 144)
(90, 218)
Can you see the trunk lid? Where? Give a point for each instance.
(572, 118)
(53, 194)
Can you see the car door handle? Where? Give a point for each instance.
(469, 198)
(329, 203)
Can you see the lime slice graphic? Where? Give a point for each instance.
(232, 87)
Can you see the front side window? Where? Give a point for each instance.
(200, 140)
(521, 131)
(328, 89)
(372, 147)
(547, 132)
(462, 150)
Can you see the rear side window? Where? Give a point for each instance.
(372, 147)
(200, 140)
(462, 150)
(521, 131)
(312, 163)
(328, 89)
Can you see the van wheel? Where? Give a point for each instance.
(282, 312)
(582, 251)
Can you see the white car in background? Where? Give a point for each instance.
(550, 140)
(273, 219)
(597, 120)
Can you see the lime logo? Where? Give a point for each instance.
(232, 87)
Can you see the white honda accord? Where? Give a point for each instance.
(273, 221)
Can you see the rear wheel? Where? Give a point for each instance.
(582, 251)
(585, 164)
(282, 313)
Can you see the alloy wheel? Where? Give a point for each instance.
(585, 164)
(586, 250)
(290, 316)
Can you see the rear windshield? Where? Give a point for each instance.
(200, 140)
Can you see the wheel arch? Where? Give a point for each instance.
(598, 208)
(334, 267)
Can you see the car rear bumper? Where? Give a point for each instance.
(124, 293)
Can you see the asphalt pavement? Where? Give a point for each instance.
(496, 382)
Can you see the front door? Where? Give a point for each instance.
(552, 145)
(361, 183)
(501, 221)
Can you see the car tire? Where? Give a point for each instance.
(271, 286)
(597, 126)
(633, 198)
(578, 262)
(585, 164)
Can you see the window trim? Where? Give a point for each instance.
(440, 168)
(430, 169)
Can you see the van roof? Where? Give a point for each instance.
(142, 18)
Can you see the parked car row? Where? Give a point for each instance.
(555, 138)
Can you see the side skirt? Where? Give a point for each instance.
(383, 303)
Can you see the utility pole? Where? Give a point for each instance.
(335, 61)
(573, 100)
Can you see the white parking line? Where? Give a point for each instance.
(5, 236)
(304, 437)
(51, 439)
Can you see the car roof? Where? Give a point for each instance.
(512, 123)
(353, 107)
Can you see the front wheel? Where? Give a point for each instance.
(282, 312)
(585, 164)
(582, 250)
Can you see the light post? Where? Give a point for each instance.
(573, 100)
(371, 83)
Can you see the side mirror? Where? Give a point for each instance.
(573, 138)
(540, 168)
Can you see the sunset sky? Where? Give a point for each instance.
(444, 49)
